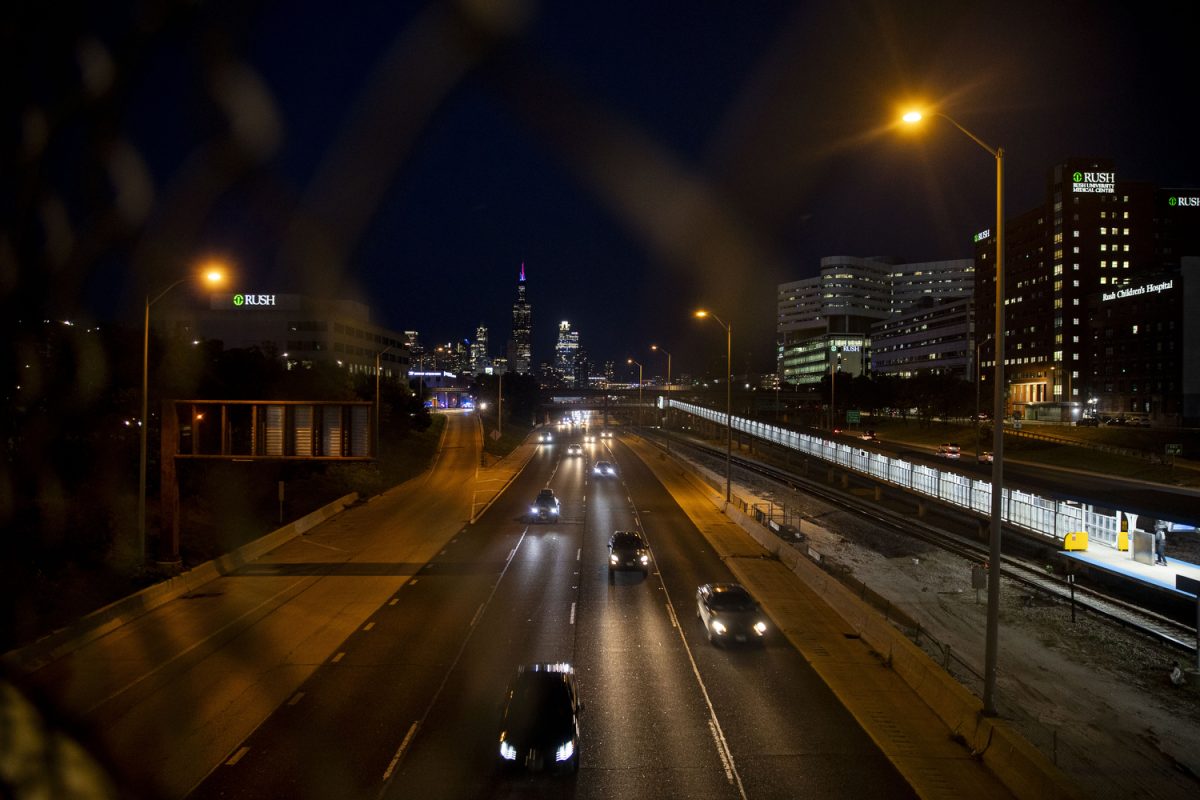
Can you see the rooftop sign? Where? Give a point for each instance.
(1184, 202)
(241, 300)
(983, 235)
(1093, 182)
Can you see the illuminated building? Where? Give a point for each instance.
(565, 353)
(301, 330)
(829, 318)
(520, 349)
(1095, 235)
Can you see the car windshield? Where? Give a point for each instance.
(626, 540)
(546, 496)
(540, 701)
(736, 599)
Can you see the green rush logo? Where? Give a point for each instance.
(1077, 177)
(238, 300)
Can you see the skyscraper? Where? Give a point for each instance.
(520, 351)
(480, 361)
(565, 353)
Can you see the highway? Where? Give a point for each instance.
(408, 703)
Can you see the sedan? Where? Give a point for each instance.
(545, 437)
(985, 457)
(605, 434)
(589, 438)
(730, 613)
(539, 729)
(605, 468)
(574, 450)
(628, 550)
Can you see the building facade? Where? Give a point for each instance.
(934, 338)
(480, 361)
(1095, 235)
(566, 350)
(825, 322)
(301, 330)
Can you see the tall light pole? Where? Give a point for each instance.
(991, 641)
(728, 398)
(378, 355)
(639, 366)
(834, 357)
(978, 384)
(213, 275)
(667, 410)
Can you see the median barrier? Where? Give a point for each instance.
(91, 627)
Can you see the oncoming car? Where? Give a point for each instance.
(729, 613)
(628, 550)
(539, 729)
(605, 434)
(605, 468)
(545, 507)
(589, 437)
(545, 437)
(574, 450)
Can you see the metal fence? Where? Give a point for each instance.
(1039, 515)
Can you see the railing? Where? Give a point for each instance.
(1045, 517)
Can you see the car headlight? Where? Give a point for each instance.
(565, 752)
(507, 751)
(718, 626)
(760, 627)
(533, 509)
(554, 511)
(613, 558)
(645, 559)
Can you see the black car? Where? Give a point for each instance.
(729, 613)
(628, 550)
(539, 730)
(545, 507)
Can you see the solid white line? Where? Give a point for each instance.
(412, 731)
(236, 757)
(572, 613)
(295, 698)
(393, 601)
(671, 614)
(578, 554)
(368, 626)
(478, 614)
(338, 657)
(511, 553)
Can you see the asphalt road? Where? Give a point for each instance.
(408, 706)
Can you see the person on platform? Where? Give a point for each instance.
(1160, 544)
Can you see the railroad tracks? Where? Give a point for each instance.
(1032, 576)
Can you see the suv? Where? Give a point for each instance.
(545, 507)
(540, 726)
(628, 550)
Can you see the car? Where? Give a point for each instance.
(545, 507)
(985, 457)
(605, 434)
(1087, 422)
(628, 550)
(545, 437)
(730, 613)
(869, 436)
(574, 449)
(604, 468)
(950, 450)
(539, 728)
(589, 438)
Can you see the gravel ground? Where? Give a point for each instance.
(1094, 697)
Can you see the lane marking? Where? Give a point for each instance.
(393, 601)
(572, 613)
(578, 555)
(368, 626)
(478, 614)
(671, 614)
(412, 731)
(236, 757)
(414, 580)
(295, 698)
(511, 553)
(338, 657)
(446, 677)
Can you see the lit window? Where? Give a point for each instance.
(1135, 328)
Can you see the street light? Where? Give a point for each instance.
(639, 366)
(991, 641)
(378, 355)
(213, 274)
(834, 362)
(667, 410)
(728, 397)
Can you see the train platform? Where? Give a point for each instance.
(1122, 562)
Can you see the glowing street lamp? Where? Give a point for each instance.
(991, 642)
(702, 314)
(213, 273)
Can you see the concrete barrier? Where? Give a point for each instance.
(89, 628)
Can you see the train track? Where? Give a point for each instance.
(1153, 625)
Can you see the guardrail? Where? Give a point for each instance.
(1052, 519)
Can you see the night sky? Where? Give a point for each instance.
(641, 159)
